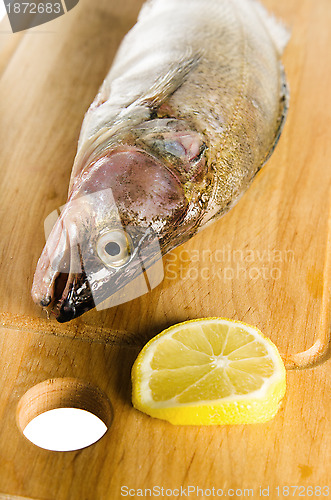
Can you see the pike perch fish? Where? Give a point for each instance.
(190, 110)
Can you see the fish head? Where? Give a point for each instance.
(123, 213)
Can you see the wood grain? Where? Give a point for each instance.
(267, 262)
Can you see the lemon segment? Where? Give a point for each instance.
(209, 371)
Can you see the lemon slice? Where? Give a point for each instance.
(209, 371)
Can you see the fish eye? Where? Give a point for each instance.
(114, 248)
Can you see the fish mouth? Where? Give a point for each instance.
(60, 284)
(72, 295)
(68, 304)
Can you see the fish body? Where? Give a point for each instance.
(190, 110)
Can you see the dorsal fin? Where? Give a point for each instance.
(277, 30)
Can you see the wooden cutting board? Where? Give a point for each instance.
(266, 263)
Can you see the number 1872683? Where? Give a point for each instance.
(34, 8)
